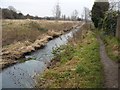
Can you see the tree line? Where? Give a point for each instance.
(105, 15)
(12, 13)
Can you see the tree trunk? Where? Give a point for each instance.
(118, 28)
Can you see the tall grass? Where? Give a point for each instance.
(28, 30)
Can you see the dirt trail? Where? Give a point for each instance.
(110, 68)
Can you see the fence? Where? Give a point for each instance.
(118, 28)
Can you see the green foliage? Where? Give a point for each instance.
(109, 22)
(64, 53)
(79, 66)
(103, 18)
(98, 11)
(90, 65)
(112, 46)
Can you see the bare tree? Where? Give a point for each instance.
(74, 15)
(12, 8)
(64, 17)
(82, 16)
(57, 11)
(115, 6)
(86, 14)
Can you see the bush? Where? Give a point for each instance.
(98, 11)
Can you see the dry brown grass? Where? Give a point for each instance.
(28, 30)
(24, 36)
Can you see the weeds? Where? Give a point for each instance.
(78, 66)
(112, 45)
(64, 53)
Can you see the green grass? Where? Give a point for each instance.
(78, 66)
(112, 45)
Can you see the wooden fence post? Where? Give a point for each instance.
(118, 28)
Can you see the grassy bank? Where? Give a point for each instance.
(25, 36)
(78, 65)
(112, 46)
(29, 30)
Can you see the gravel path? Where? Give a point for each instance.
(110, 68)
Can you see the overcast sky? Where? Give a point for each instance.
(45, 7)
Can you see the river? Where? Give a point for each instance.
(23, 75)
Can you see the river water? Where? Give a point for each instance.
(22, 75)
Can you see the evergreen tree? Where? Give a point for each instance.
(98, 12)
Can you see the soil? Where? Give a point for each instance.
(110, 68)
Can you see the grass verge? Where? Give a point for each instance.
(78, 66)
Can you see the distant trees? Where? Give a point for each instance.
(74, 15)
(12, 8)
(20, 16)
(64, 17)
(57, 11)
(86, 14)
(6, 14)
(98, 12)
(29, 16)
(11, 13)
